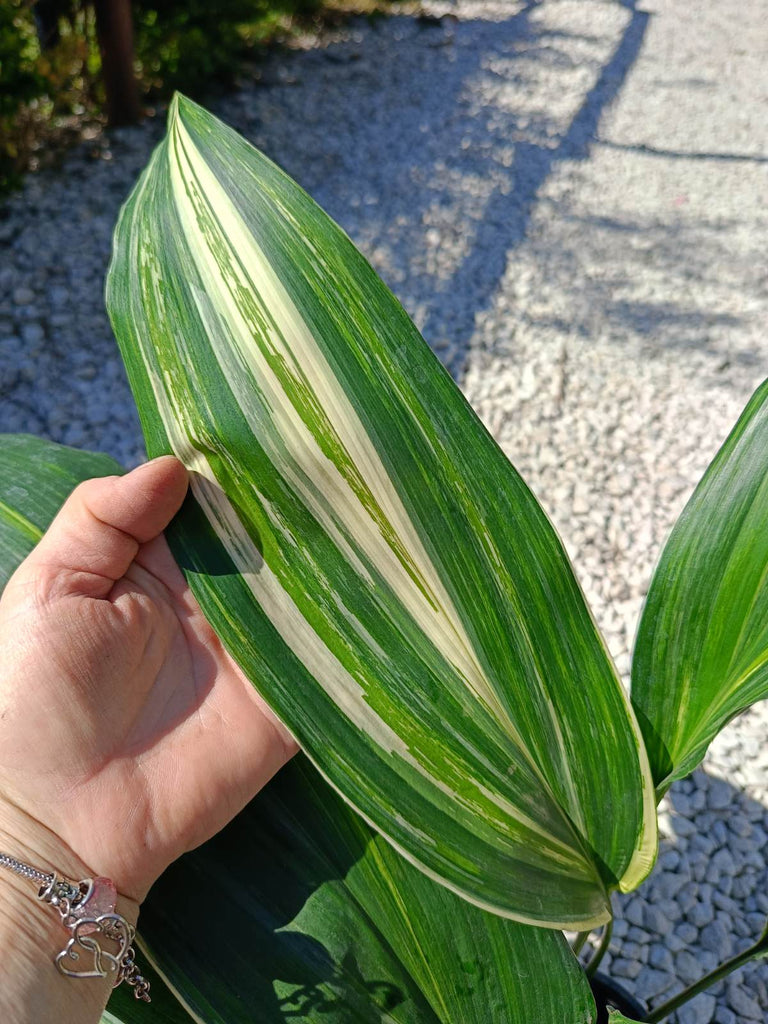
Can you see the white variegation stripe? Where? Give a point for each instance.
(295, 630)
(332, 499)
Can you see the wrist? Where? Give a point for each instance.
(27, 840)
(32, 932)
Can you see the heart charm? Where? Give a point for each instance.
(84, 939)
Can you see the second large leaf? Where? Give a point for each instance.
(363, 547)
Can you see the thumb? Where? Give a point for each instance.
(99, 529)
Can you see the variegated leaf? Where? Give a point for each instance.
(701, 654)
(363, 547)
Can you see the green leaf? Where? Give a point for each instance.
(36, 476)
(615, 1017)
(363, 547)
(298, 908)
(701, 654)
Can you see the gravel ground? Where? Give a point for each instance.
(570, 199)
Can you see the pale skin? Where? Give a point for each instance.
(127, 734)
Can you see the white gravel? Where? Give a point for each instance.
(570, 198)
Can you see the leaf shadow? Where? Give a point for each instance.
(278, 871)
(469, 131)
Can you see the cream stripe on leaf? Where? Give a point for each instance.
(701, 654)
(364, 549)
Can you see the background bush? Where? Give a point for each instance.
(189, 44)
(48, 95)
(50, 89)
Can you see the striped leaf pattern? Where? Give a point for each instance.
(363, 547)
(303, 909)
(701, 654)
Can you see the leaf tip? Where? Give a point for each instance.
(178, 107)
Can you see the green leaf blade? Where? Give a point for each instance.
(36, 476)
(372, 560)
(701, 655)
(317, 917)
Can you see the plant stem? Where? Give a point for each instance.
(759, 949)
(578, 945)
(601, 950)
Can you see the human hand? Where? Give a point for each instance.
(127, 734)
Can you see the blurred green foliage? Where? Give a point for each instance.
(19, 82)
(42, 93)
(47, 95)
(189, 44)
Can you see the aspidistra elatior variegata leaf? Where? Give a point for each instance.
(363, 547)
(701, 654)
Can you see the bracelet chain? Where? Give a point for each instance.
(23, 869)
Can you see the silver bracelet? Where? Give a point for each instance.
(87, 910)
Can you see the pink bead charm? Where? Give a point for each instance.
(102, 899)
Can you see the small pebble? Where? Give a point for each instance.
(716, 938)
(660, 957)
(624, 968)
(700, 914)
(700, 1010)
(719, 795)
(725, 1016)
(743, 1004)
(655, 921)
(651, 982)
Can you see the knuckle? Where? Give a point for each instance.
(88, 491)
